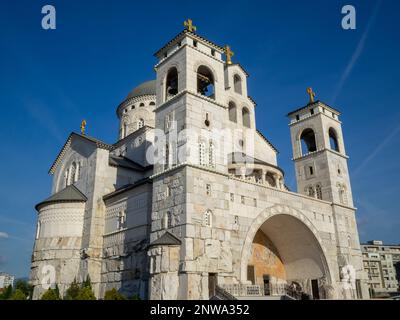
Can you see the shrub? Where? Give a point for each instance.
(113, 294)
(18, 295)
(6, 293)
(51, 294)
(73, 291)
(86, 293)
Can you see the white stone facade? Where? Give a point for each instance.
(191, 197)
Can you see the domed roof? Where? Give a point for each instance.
(146, 88)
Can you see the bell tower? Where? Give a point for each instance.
(319, 152)
(190, 89)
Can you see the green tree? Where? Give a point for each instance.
(87, 283)
(113, 294)
(18, 295)
(73, 291)
(6, 294)
(50, 294)
(86, 293)
(25, 287)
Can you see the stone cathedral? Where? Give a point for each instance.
(190, 202)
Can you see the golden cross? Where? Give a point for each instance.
(83, 126)
(189, 25)
(311, 93)
(229, 54)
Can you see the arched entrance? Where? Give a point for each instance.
(282, 250)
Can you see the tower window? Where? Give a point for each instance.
(171, 83)
(236, 220)
(297, 117)
(246, 117)
(308, 143)
(208, 218)
(232, 112)
(152, 103)
(140, 123)
(195, 43)
(202, 154)
(205, 82)
(213, 52)
(237, 84)
(232, 197)
(208, 189)
(333, 141)
(141, 105)
(167, 156)
(121, 220)
(311, 170)
(318, 191)
(311, 192)
(211, 155)
(311, 111)
(207, 121)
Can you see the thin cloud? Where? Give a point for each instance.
(376, 151)
(4, 235)
(357, 53)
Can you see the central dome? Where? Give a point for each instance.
(146, 88)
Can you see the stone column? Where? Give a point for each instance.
(263, 175)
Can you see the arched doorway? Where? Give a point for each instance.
(281, 251)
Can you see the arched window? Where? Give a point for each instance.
(152, 103)
(208, 218)
(171, 87)
(141, 105)
(169, 219)
(232, 112)
(211, 155)
(167, 156)
(202, 154)
(246, 117)
(311, 192)
(121, 224)
(205, 82)
(308, 143)
(342, 194)
(73, 175)
(66, 178)
(38, 229)
(237, 84)
(333, 141)
(318, 191)
(140, 123)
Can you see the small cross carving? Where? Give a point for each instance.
(189, 25)
(311, 93)
(83, 126)
(229, 54)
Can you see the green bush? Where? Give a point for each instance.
(18, 295)
(6, 294)
(135, 297)
(113, 294)
(73, 291)
(86, 293)
(25, 287)
(51, 294)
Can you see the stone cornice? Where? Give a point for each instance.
(129, 101)
(310, 154)
(181, 93)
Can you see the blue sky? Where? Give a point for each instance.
(51, 80)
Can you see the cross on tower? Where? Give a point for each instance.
(311, 93)
(229, 54)
(83, 126)
(189, 25)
